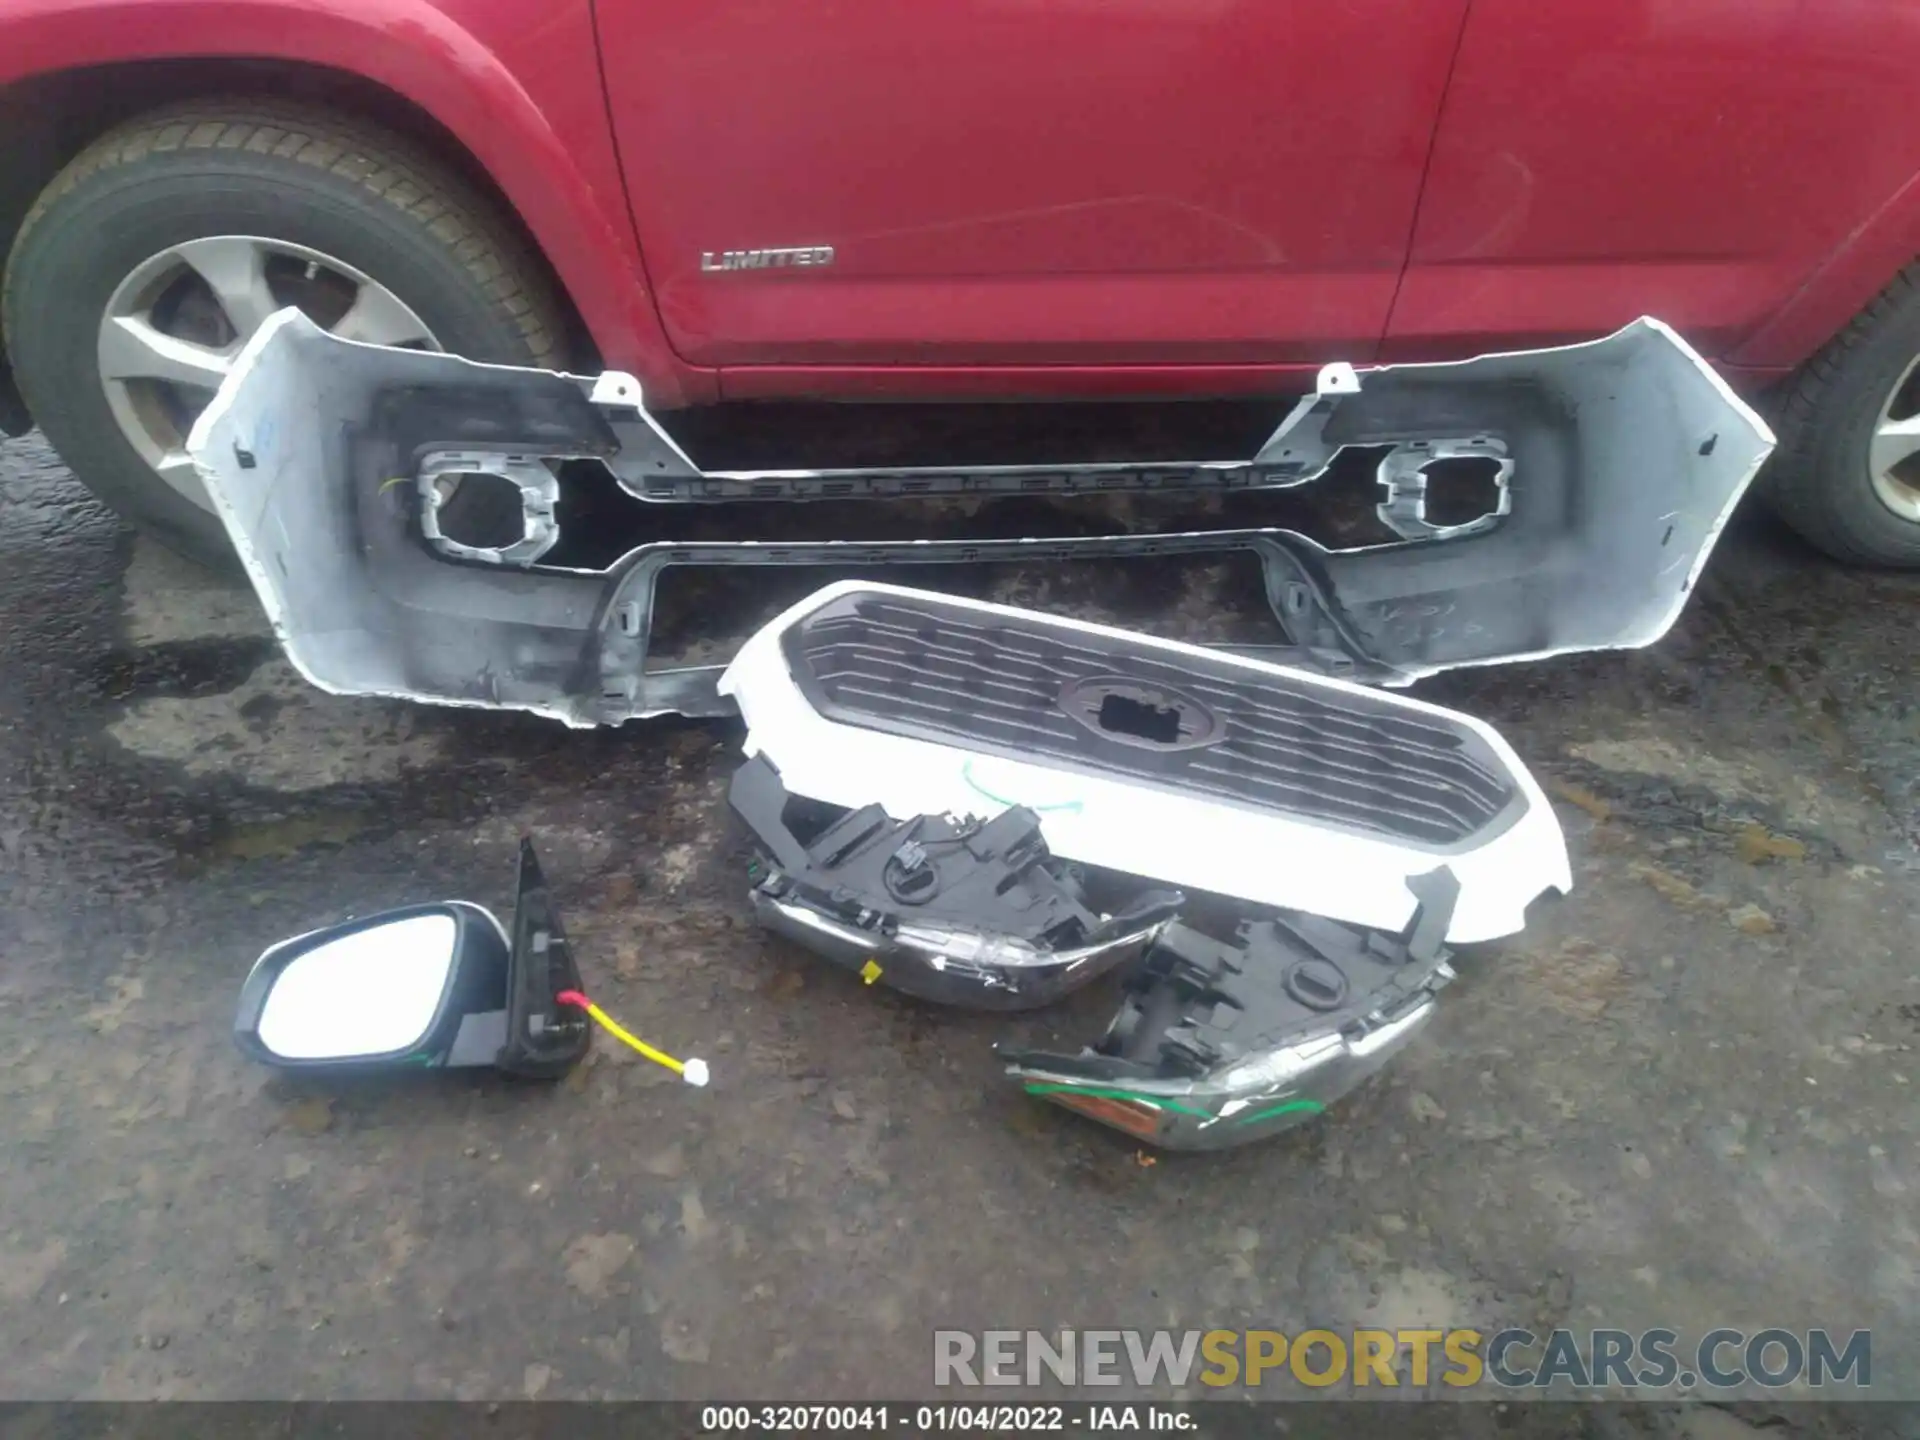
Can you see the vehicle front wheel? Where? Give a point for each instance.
(149, 261)
(1847, 473)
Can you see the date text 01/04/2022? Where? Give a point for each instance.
(941, 1419)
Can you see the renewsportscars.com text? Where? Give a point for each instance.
(1511, 1359)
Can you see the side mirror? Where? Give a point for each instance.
(430, 986)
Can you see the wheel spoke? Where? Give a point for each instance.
(131, 349)
(1893, 442)
(378, 317)
(234, 268)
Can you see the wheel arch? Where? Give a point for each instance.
(506, 148)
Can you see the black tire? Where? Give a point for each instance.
(1819, 480)
(249, 167)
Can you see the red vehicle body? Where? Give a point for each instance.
(1119, 197)
(1066, 199)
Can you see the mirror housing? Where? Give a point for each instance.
(476, 964)
(495, 1007)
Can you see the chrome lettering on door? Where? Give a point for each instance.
(779, 258)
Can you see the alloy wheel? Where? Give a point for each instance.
(1893, 457)
(175, 325)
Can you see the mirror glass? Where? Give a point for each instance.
(370, 992)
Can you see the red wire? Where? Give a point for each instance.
(573, 997)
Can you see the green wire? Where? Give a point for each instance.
(966, 774)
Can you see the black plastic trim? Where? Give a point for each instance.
(544, 1039)
(951, 674)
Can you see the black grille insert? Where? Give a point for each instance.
(1024, 688)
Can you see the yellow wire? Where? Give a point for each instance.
(645, 1049)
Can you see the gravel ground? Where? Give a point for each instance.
(1685, 1097)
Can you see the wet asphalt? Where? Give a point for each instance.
(1684, 1097)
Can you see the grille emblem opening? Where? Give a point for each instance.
(1120, 715)
(1140, 713)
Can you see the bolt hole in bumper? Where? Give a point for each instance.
(1018, 802)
